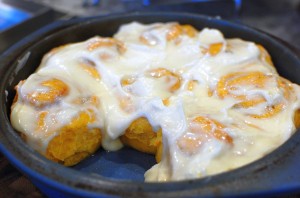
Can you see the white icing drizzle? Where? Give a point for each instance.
(252, 137)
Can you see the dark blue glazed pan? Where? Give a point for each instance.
(121, 173)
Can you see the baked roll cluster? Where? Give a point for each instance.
(200, 103)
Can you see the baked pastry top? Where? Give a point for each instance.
(201, 103)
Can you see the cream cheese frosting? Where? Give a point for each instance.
(218, 109)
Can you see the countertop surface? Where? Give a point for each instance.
(280, 18)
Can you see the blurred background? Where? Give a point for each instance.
(19, 18)
(280, 18)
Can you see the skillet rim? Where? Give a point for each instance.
(87, 185)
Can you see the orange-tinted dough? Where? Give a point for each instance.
(297, 118)
(202, 129)
(162, 72)
(140, 136)
(56, 89)
(231, 81)
(74, 141)
(264, 55)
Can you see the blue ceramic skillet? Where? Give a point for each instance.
(121, 173)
